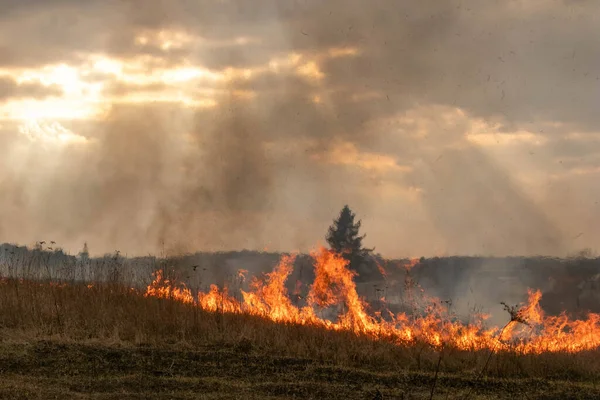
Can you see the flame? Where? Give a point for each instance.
(382, 270)
(218, 300)
(167, 289)
(411, 263)
(528, 330)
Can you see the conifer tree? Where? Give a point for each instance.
(343, 238)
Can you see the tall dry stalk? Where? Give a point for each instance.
(516, 316)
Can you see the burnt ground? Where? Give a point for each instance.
(45, 369)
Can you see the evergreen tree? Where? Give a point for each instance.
(344, 239)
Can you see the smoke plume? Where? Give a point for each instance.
(449, 127)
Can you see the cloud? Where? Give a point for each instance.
(10, 89)
(230, 124)
(348, 154)
(493, 60)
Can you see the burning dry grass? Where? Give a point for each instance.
(528, 330)
(264, 325)
(108, 338)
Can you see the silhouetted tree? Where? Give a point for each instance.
(344, 239)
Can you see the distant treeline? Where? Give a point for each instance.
(570, 284)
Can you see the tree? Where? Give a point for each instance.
(343, 238)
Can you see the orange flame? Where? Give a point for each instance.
(411, 263)
(165, 288)
(528, 331)
(216, 300)
(382, 270)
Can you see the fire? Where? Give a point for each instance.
(216, 300)
(411, 263)
(270, 298)
(528, 330)
(382, 270)
(165, 288)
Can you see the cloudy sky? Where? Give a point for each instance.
(450, 127)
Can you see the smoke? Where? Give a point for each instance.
(295, 109)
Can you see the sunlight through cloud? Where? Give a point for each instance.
(50, 132)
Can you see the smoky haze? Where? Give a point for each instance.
(455, 127)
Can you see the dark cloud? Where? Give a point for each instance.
(10, 89)
(123, 89)
(522, 62)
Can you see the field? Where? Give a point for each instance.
(73, 340)
(105, 370)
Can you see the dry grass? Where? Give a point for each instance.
(110, 342)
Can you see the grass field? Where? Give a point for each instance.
(107, 341)
(76, 369)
